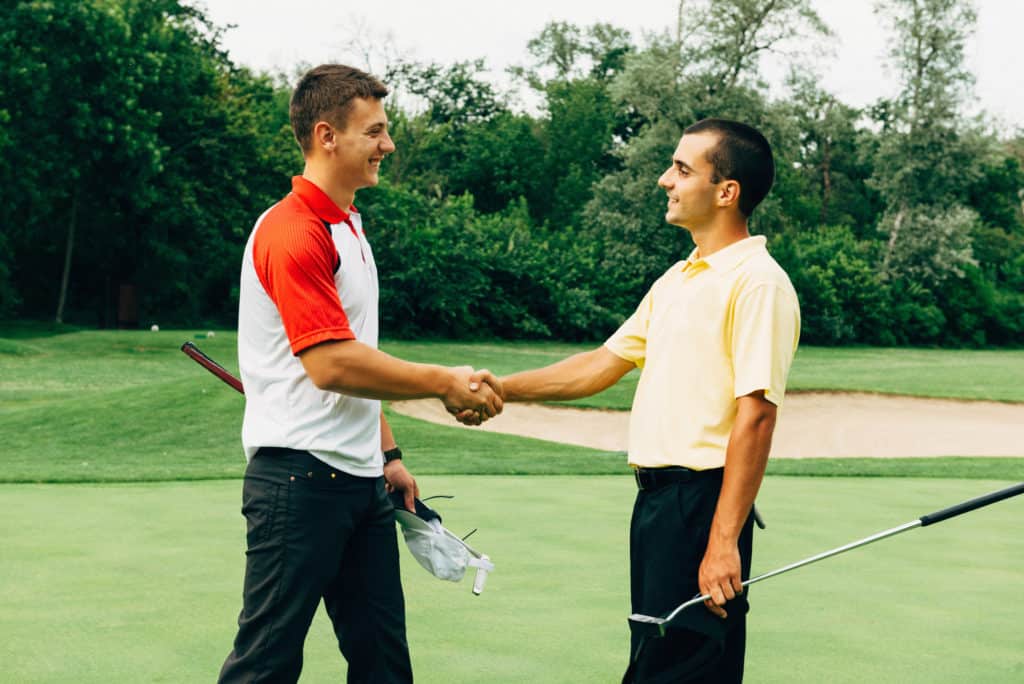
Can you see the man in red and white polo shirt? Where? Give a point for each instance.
(322, 458)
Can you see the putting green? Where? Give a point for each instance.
(141, 583)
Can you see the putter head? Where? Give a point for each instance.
(647, 625)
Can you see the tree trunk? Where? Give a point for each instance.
(890, 247)
(826, 178)
(679, 24)
(67, 257)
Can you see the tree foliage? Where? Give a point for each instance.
(135, 158)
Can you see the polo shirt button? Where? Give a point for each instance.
(309, 474)
(333, 475)
(292, 478)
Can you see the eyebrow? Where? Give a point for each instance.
(682, 164)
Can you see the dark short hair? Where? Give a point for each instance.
(743, 155)
(325, 93)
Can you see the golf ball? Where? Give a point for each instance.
(155, 327)
(209, 334)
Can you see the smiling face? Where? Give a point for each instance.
(693, 196)
(359, 148)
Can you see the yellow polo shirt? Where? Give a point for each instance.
(710, 330)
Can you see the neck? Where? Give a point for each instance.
(339, 193)
(718, 236)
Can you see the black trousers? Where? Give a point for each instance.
(315, 533)
(668, 537)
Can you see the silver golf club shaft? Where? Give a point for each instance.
(929, 519)
(806, 561)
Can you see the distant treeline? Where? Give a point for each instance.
(135, 157)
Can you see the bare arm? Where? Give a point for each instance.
(396, 477)
(746, 458)
(387, 437)
(353, 368)
(580, 375)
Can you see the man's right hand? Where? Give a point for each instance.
(473, 396)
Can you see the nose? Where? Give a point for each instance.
(387, 145)
(665, 182)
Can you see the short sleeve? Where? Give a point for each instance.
(295, 264)
(765, 331)
(629, 342)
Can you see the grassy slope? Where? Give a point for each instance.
(996, 375)
(128, 406)
(140, 583)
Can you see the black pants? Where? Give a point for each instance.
(668, 537)
(315, 533)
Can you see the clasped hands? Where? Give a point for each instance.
(473, 395)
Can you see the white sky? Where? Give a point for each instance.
(275, 35)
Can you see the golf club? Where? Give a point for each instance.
(212, 366)
(649, 625)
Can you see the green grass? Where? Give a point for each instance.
(995, 375)
(141, 583)
(122, 406)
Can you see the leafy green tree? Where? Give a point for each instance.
(572, 69)
(596, 52)
(708, 70)
(75, 75)
(933, 245)
(923, 162)
(831, 155)
(466, 141)
(138, 157)
(843, 297)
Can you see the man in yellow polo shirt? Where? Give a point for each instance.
(714, 337)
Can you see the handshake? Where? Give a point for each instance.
(473, 396)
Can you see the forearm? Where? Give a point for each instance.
(578, 376)
(353, 368)
(387, 437)
(745, 462)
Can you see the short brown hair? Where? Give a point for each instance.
(325, 93)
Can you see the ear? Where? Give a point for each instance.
(728, 193)
(324, 136)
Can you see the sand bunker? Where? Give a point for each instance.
(811, 425)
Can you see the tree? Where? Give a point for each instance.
(134, 142)
(572, 68)
(924, 163)
(77, 111)
(597, 52)
(738, 32)
(829, 155)
(664, 88)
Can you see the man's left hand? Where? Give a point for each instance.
(719, 575)
(398, 479)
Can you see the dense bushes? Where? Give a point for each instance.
(898, 224)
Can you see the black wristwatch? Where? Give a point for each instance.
(392, 455)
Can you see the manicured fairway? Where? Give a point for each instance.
(140, 583)
(81, 406)
(962, 374)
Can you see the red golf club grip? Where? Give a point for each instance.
(212, 366)
(973, 504)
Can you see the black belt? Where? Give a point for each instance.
(655, 478)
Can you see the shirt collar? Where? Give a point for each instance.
(729, 257)
(318, 201)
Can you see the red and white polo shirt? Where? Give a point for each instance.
(308, 276)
